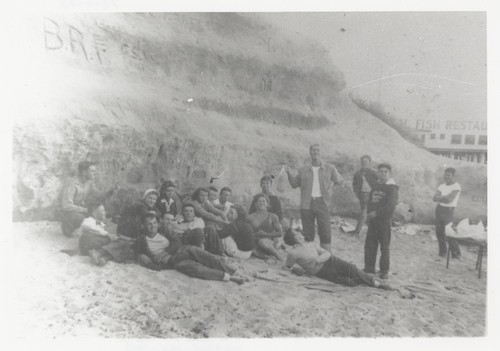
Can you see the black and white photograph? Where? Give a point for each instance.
(250, 174)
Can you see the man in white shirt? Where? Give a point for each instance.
(191, 228)
(223, 203)
(447, 198)
(315, 182)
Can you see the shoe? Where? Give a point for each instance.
(456, 257)
(369, 271)
(384, 276)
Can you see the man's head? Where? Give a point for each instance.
(449, 175)
(168, 189)
(188, 212)
(213, 193)
(384, 172)
(293, 237)
(151, 224)
(265, 183)
(315, 152)
(225, 194)
(87, 170)
(150, 197)
(168, 220)
(365, 161)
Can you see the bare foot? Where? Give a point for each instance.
(94, 257)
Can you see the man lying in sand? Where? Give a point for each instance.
(157, 252)
(308, 257)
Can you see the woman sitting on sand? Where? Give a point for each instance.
(214, 220)
(237, 237)
(130, 222)
(308, 257)
(98, 243)
(267, 228)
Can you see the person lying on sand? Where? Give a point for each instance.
(157, 252)
(267, 228)
(98, 243)
(309, 258)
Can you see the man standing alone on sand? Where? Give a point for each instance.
(383, 200)
(315, 182)
(362, 183)
(447, 197)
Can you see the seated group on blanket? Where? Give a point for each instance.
(193, 236)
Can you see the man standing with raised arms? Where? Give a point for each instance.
(315, 182)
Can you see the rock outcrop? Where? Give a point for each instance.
(188, 96)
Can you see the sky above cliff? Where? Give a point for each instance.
(388, 55)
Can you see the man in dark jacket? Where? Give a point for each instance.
(381, 206)
(362, 183)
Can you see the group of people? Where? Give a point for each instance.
(196, 234)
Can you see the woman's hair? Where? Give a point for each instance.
(259, 195)
(242, 214)
(164, 186)
(196, 194)
(93, 204)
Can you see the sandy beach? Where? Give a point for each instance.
(57, 295)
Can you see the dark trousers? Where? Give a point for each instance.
(317, 211)
(213, 243)
(341, 272)
(197, 263)
(90, 241)
(444, 216)
(379, 232)
(70, 221)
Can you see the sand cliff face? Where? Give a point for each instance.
(189, 96)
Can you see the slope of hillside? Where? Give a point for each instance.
(187, 96)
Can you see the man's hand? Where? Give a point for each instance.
(371, 215)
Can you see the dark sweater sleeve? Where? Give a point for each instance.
(278, 209)
(356, 183)
(252, 206)
(387, 210)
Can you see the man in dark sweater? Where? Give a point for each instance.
(362, 183)
(381, 206)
